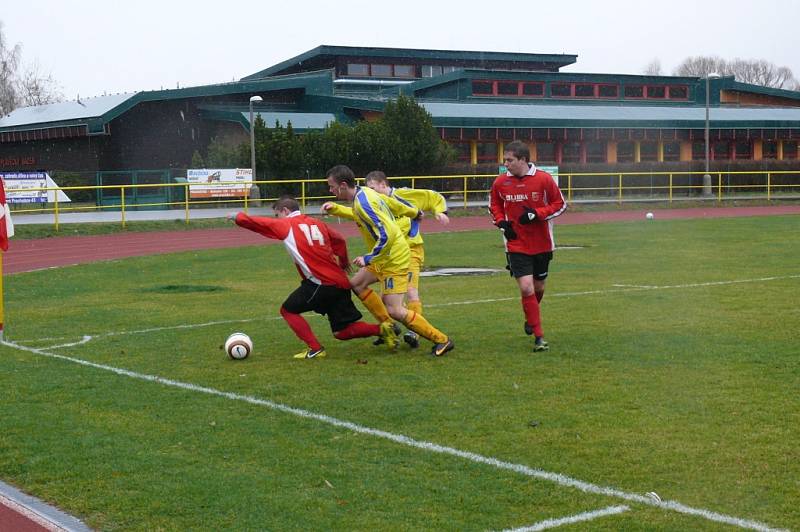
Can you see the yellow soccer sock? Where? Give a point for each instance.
(421, 326)
(415, 306)
(374, 305)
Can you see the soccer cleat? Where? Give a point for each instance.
(390, 333)
(378, 341)
(311, 353)
(440, 349)
(528, 329)
(540, 345)
(412, 339)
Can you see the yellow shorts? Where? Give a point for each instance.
(415, 265)
(392, 281)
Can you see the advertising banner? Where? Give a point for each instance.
(219, 183)
(18, 185)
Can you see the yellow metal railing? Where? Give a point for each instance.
(466, 189)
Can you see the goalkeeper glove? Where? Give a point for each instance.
(508, 231)
(528, 216)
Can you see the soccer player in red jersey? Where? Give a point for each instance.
(320, 255)
(523, 203)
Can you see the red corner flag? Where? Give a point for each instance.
(6, 226)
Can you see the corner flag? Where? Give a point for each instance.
(6, 231)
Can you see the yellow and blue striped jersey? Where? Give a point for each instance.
(417, 198)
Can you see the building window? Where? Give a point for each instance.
(722, 149)
(699, 151)
(634, 91)
(381, 71)
(482, 87)
(469, 133)
(571, 152)
(584, 90)
(743, 149)
(656, 91)
(560, 89)
(404, 71)
(448, 69)
(672, 151)
(545, 152)
(595, 152)
(648, 151)
(770, 149)
(625, 151)
(533, 89)
(507, 88)
(452, 133)
(607, 91)
(487, 152)
(790, 150)
(429, 71)
(678, 93)
(462, 151)
(357, 69)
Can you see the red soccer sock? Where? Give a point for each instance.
(530, 306)
(301, 328)
(358, 329)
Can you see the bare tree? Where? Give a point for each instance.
(9, 64)
(755, 71)
(653, 68)
(37, 88)
(20, 87)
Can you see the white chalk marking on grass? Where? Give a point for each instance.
(82, 341)
(577, 518)
(623, 290)
(645, 286)
(556, 478)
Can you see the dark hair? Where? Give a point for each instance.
(519, 149)
(377, 175)
(342, 174)
(286, 202)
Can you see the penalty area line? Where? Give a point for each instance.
(556, 478)
(577, 518)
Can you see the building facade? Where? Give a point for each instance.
(478, 101)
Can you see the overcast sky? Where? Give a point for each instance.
(91, 47)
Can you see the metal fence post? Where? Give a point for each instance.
(55, 213)
(769, 190)
(303, 195)
(186, 201)
(569, 187)
(719, 186)
(620, 189)
(122, 197)
(465, 192)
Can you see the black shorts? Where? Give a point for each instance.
(521, 264)
(332, 301)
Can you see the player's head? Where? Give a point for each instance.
(377, 181)
(342, 182)
(516, 156)
(285, 206)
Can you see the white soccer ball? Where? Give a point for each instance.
(649, 216)
(238, 346)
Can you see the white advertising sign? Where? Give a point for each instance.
(219, 183)
(18, 187)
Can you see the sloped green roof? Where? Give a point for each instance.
(106, 108)
(455, 114)
(556, 60)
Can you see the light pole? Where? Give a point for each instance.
(254, 99)
(707, 176)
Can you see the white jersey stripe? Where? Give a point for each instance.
(291, 247)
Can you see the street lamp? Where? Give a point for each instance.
(707, 176)
(254, 99)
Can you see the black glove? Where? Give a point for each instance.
(508, 231)
(419, 215)
(528, 217)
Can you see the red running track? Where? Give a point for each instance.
(28, 255)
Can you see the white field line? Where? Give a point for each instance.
(556, 478)
(622, 290)
(577, 518)
(433, 305)
(87, 338)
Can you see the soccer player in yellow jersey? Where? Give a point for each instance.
(424, 200)
(389, 255)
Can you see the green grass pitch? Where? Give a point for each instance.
(673, 369)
